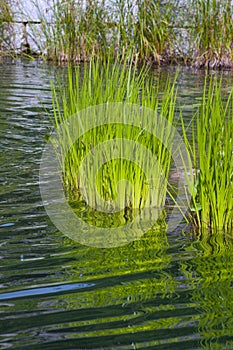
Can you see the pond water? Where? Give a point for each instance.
(165, 291)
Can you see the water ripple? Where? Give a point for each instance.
(163, 292)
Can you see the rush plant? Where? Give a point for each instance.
(154, 35)
(212, 154)
(98, 83)
(6, 17)
(212, 33)
(75, 30)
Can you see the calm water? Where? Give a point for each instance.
(162, 292)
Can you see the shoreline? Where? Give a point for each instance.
(222, 64)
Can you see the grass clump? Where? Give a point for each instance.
(212, 153)
(212, 33)
(6, 17)
(121, 181)
(111, 182)
(154, 36)
(76, 31)
(155, 31)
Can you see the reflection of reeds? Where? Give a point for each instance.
(212, 151)
(209, 277)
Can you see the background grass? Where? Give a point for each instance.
(199, 32)
(212, 154)
(6, 29)
(213, 33)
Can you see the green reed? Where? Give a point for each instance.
(212, 154)
(6, 17)
(154, 36)
(73, 32)
(208, 169)
(78, 31)
(158, 31)
(212, 33)
(100, 82)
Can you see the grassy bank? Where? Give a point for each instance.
(198, 32)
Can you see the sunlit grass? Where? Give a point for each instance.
(98, 83)
(208, 169)
(212, 154)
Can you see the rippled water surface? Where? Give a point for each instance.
(165, 291)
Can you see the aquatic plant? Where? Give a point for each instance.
(154, 34)
(155, 31)
(6, 17)
(212, 33)
(158, 31)
(75, 31)
(95, 84)
(212, 154)
(209, 277)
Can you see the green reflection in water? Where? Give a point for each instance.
(211, 289)
(133, 292)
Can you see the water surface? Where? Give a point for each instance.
(165, 291)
